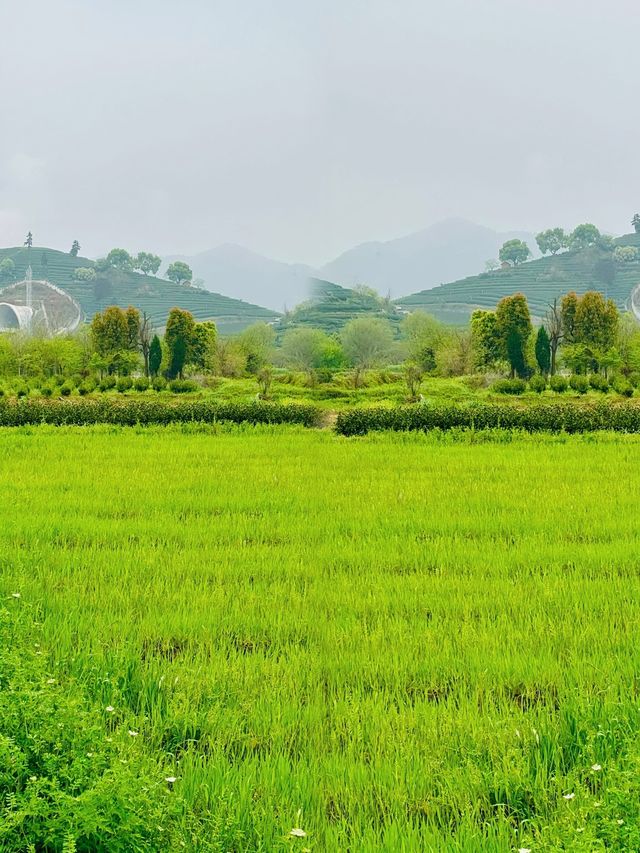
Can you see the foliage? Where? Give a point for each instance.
(302, 348)
(538, 383)
(155, 355)
(625, 254)
(584, 236)
(183, 386)
(7, 269)
(552, 240)
(75, 248)
(84, 274)
(486, 342)
(147, 263)
(514, 252)
(257, 342)
(179, 272)
(543, 351)
(120, 259)
(513, 324)
(424, 335)
(178, 339)
(509, 386)
(636, 222)
(558, 383)
(367, 342)
(579, 383)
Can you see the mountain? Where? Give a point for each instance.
(445, 251)
(156, 296)
(541, 281)
(238, 272)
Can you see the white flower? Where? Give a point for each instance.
(298, 833)
(524, 850)
(51, 681)
(89, 755)
(568, 796)
(170, 779)
(33, 778)
(15, 595)
(110, 709)
(132, 733)
(596, 767)
(620, 821)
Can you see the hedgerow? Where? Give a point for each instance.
(552, 416)
(129, 411)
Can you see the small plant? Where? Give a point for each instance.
(264, 378)
(509, 386)
(537, 383)
(66, 389)
(599, 382)
(558, 384)
(622, 386)
(124, 383)
(579, 383)
(183, 386)
(141, 384)
(108, 383)
(159, 383)
(413, 376)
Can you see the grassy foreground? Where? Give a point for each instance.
(401, 642)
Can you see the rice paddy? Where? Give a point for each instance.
(401, 642)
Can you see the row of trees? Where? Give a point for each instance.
(588, 327)
(146, 263)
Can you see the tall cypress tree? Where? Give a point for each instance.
(543, 351)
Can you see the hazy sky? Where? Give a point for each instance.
(301, 127)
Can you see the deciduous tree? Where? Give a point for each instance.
(179, 272)
(514, 252)
(513, 322)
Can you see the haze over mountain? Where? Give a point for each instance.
(443, 252)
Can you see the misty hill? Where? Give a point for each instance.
(332, 306)
(445, 251)
(540, 280)
(114, 287)
(247, 275)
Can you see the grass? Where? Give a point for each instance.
(397, 643)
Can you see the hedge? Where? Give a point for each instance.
(552, 416)
(130, 411)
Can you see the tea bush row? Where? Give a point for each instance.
(576, 382)
(552, 416)
(131, 411)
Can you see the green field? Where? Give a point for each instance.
(398, 643)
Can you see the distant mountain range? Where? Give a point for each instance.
(446, 251)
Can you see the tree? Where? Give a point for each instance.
(367, 343)
(625, 254)
(29, 241)
(179, 272)
(113, 338)
(178, 337)
(132, 316)
(514, 252)
(584, 236)
(120, 259)
(423, 334)
(75, 248)
(155, 355)
(485, 339)
(144, 339)
(7, 269)
(596, 321)
(84, 274)
(257, 342)
(543, 351)
(302, 349)
(147, 263)
(202, 348)
(555, 332)
(568, 309)
(513, 323)
(552, 240)
(636, 222)
(491, 265)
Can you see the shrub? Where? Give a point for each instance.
(66, 389)
(21, 390)
(579, 383)
(183, 386)
(47, 390)
(537, 383)
(141, 384)
(599, 382)
(509, 386)
(622, 386)
(86, 387)
(107, 383)
(558, 384)
(129, 411)
(159, 383)
(551, 416)
(124, 383)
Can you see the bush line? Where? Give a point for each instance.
(539, 417)
(130, 412)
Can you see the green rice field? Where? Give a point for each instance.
(271, 638)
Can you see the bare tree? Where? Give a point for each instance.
(556, 333)
(144, 339)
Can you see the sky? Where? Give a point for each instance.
(299, 129)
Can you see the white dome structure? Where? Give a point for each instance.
(15, 317)
(38, 306)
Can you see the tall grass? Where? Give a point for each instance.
(407, 642)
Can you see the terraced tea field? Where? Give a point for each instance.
(259, 639)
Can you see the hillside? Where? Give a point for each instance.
(446, 250)
(248, 275)
(540, 280)
(332, 306)
(154, 295)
